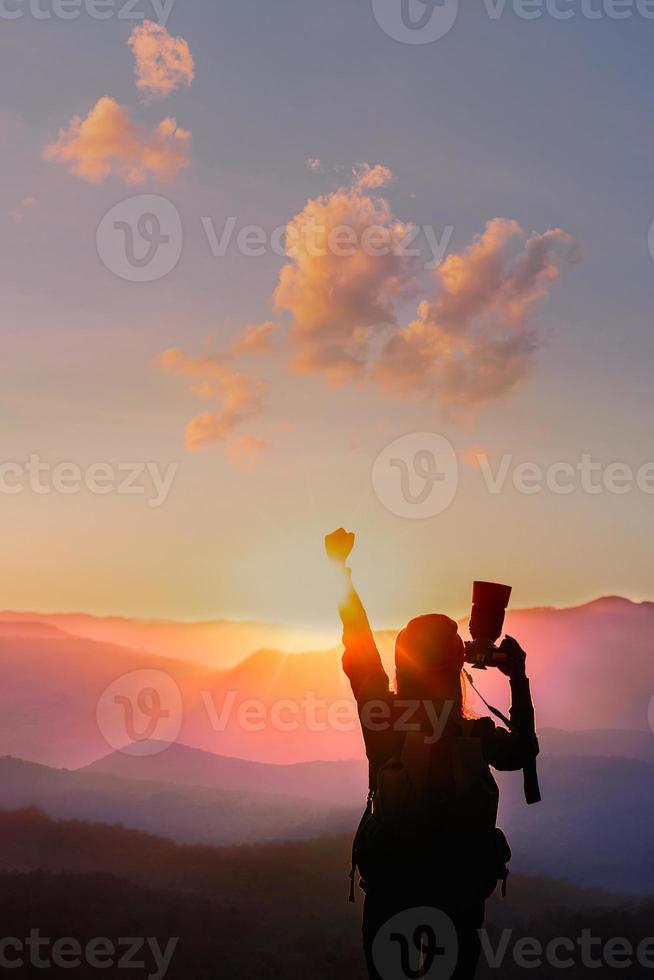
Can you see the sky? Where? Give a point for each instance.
(261, 392)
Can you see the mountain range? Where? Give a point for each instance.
(183, 813)
(218, 643)
(274, 910)
(595, 826)
(592, 668)
(231, 776)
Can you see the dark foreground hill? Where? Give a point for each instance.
(274, 911)
(595, 825)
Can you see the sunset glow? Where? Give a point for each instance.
(330, 295)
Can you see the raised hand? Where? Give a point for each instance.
(514, 664)
(339, 544)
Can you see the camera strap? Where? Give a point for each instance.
(530, 772)
(494, 711)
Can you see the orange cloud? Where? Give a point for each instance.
(244, 451)
(473, 456)
(476, 340)
(18, 213)
(109, 142)
(240, 397)
(345, 270)
(256, 339)
(163, 62)
(372, 177)
(472, 340)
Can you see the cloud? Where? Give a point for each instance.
(163, 62)
(372, 177)
(244, 451)
(314, 165)
(239, 396)
(472, 340)
(18, 213)
(108, 142)
(345, 270)
(256, 339)
(472, 456)
(474, 335)
(476, 340)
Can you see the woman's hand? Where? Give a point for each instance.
(339, 544)
(514, 664)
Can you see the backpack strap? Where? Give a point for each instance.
(362, 822)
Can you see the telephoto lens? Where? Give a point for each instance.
(489, 602)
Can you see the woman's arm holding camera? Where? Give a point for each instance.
(512, 750)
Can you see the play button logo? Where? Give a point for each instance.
(416, 21)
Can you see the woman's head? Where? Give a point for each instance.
(428, 660)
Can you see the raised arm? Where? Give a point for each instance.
(361, 660)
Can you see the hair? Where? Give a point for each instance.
(429, 661)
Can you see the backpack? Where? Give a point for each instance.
(430, 820)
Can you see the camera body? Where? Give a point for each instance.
(489, 602)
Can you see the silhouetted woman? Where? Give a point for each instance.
(428, 839)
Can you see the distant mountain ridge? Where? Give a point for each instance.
(31, 628)
(222, 643)
(595, 826)
(342, 783)
(186, 814)
(218, 644)
(609, 743)
(591, 667)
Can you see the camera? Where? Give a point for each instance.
(489, 602)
